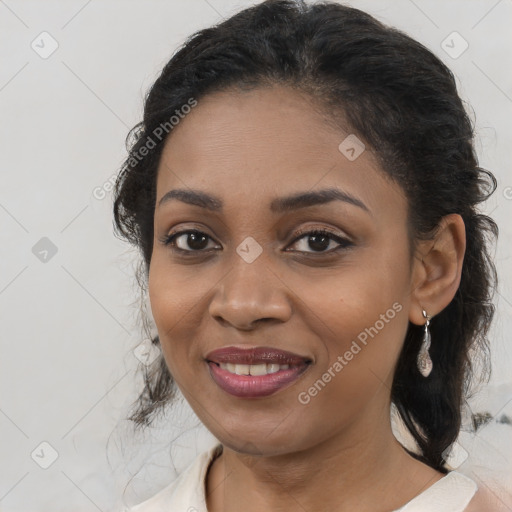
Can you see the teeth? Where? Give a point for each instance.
(253, 369)
(258, 369)
(242, 369)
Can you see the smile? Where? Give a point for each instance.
(247, 385)
(253, 369)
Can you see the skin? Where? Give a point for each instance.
(248, 148)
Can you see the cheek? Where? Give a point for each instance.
(359, 365)
(175, 305)
(352, 299)
(359, 313)
(360, 343)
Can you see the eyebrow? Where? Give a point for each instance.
(279, 205)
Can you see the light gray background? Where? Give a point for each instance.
(69, 326)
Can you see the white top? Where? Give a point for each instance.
(452, 493)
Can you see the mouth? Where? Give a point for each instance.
(255, 372)
(252, 369)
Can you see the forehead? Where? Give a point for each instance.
(265, 143)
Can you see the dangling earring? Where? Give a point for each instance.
(424, 362)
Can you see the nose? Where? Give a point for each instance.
(250, 293)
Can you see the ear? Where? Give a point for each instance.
(437, 269)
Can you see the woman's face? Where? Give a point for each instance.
(253, 277)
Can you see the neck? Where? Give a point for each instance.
(354, 470)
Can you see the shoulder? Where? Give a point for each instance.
(187, 492)
(485, 500)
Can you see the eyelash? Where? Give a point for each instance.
(169, 240)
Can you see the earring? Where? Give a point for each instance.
(424, 362)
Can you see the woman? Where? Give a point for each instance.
(303, 190)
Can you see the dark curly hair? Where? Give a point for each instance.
(402, 101)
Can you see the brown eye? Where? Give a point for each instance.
(188, 241)
(319, 240)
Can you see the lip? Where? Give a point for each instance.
(255, 386)
(255, 355)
